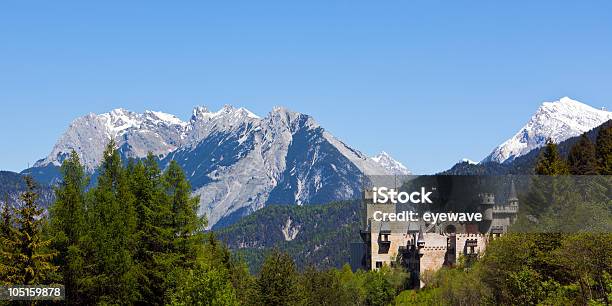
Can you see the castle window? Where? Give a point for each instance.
(379, 264)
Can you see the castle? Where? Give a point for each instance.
(418, 246)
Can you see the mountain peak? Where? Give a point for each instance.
(390, 164)
(568, 100)
(199, 112)
(468, 161)
(557, 120)
(157, 117)
(202, 113)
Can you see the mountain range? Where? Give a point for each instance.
(241, 164)
(236, 161)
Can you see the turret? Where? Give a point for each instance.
(512, 197)
(487, 201)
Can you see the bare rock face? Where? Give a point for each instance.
(236, 161)
(136, 134)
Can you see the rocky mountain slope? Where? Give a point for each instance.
(558, 120)
(236, 161)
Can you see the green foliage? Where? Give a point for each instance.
(111, 240)
(550, 161)
(379, 290)
(424, 297)
(604, 150)
(323, 288)
(26, 257)
(277, 283)
(526, 269)
(7, 235)
(186, 225)
(325, 233)
(67, 224)
(582, 159)
(204, 286)
(135, 238)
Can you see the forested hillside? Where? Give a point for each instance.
(12, 184)
(318, 236)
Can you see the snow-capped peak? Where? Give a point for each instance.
(202, 113)
(390, 164)
(160, 117)
(557, 120)
(199, 112)
(469, 161)
(119, 120)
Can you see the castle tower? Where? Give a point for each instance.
(487, 203)
(512, 197)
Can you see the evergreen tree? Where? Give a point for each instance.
(548, 188)
(68, 224)
(154, 233)
(550, 161)
(8, 272)
(277, 283)
(604, 149)
(6, 218)
(27, 251)
(582, 159)
(187, 226)
(111, 243)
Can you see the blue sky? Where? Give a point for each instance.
(430, 82)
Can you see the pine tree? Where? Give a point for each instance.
(68, 224)
(582, 159)
(112, 222)
(28, 252)
(550, 161)
(187, 226)
(6, 218)
(546, 190)
(154, 254)
(604, 149)
(8, 272)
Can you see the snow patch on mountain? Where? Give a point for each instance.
(557, 120)
(469, 161)
(391, 165)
